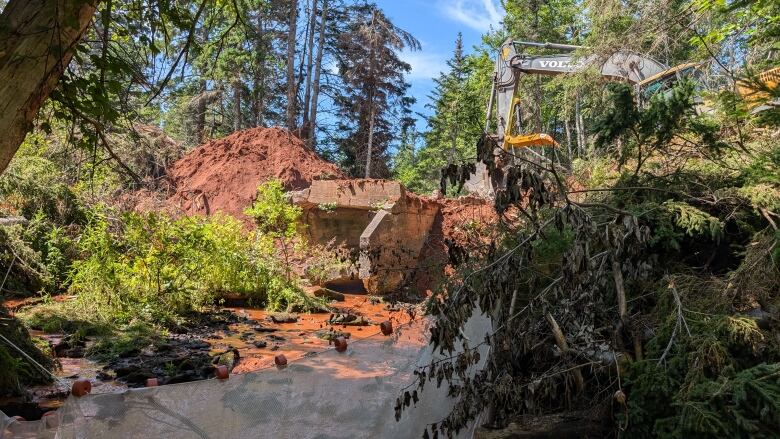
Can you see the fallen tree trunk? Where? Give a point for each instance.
(13, 220)
(37, 41)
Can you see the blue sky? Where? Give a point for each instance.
(436, 24)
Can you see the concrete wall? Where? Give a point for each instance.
(376, 217)
(343, 225)
(391, 244)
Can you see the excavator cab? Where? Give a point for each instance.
(664, 82)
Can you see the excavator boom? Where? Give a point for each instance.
(511, 63)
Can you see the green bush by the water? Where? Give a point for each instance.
(156, 268)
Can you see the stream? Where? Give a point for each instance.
(245, 339)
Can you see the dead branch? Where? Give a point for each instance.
(678, 324)
(560, 340)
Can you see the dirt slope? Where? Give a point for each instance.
(223, 175)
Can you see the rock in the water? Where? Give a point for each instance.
(260, 344)
(283, 317)
(104, 376)
(75, 352)
(327, 293)
(348, 320)
(70, 347)
(229, 358)
(261, 328)
(198, 345)
(137, 377)
(330, 334)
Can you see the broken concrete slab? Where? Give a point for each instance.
(384, 225)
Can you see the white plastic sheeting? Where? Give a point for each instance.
(328, 396)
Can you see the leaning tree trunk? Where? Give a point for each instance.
(292, 93)
(312, 139)
(37, 41)
(309, 68)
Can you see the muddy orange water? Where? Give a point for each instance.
(300, 338)
(294, 340)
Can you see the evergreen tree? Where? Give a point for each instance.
(455, 126)
(372, 99)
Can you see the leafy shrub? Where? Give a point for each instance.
(328, 262)
(276, 218)
(34, 184)
(158, 269)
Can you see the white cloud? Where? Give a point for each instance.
(424, 65)
(479, 15)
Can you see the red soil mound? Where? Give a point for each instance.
(466, 222)
(466, 214)
(223, 175)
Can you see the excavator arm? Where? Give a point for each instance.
(511, 64)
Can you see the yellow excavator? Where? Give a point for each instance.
(647, 75)
(511, 63)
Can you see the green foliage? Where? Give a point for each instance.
(56, 247)
(38, 257)
(272, 213)
(721, 381)
(371, 103)
(17, 371)
(157, 269)
(63, 317)
(656, 124)
(33, 184)
(694, 221)
(751, 25)
(276, 218)
(621, 117)
(24, 265)
(765, 168)
(10, 369)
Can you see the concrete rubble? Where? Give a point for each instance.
(383, 225)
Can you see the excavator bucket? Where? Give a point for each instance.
(529, 140)
(527, 147)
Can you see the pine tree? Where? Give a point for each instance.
(455, 126)
(372, 99)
